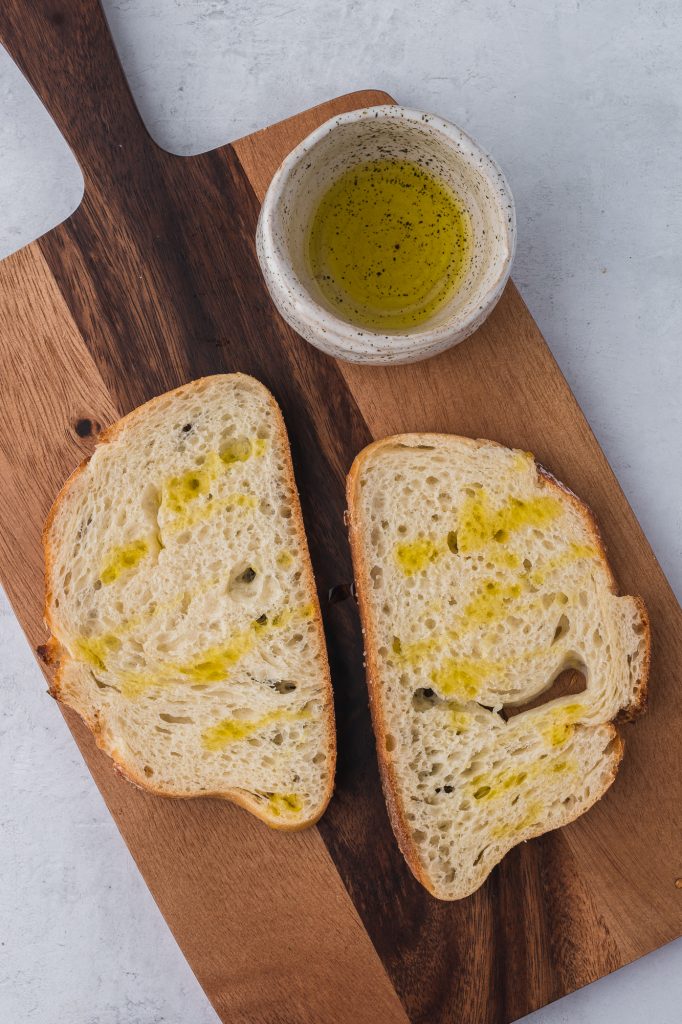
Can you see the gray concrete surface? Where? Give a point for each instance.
(581, 104)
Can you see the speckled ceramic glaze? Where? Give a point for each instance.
(385, 132)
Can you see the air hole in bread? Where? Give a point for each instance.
(562, 629)
(569, 682)
(424, 698)
(175, 719)
(104, 686)
(282, 685)
(389, 742)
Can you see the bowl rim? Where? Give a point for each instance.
(343, 334)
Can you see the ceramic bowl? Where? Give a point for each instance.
(384, 132)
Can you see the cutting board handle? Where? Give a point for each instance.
(65, 50)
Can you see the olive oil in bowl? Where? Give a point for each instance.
(386, 236)
(389, 244)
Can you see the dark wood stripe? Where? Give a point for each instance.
(159, 273)
(204, 304)
(158, 270)
(234, 893)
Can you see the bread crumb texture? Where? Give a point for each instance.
(481, 581)
(181, 594)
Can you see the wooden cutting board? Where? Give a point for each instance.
(154, 281)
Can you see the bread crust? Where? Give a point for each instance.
(396, 810)
(638, 705)
(60, 656)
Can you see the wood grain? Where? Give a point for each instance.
(505, 384)
(154, 281)
(243, 902)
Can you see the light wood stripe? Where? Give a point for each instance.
(613, 887)
(155, 276)
(262, 917)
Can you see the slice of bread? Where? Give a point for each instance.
(183, 609)
(480, 579)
